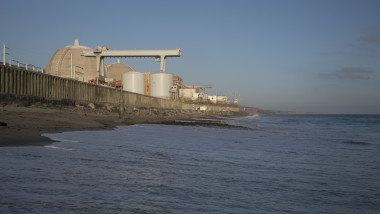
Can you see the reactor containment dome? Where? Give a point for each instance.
(67, 62)
(116, 69)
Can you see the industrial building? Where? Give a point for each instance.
(85, 64)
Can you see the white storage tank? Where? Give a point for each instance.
(160, 84)
(134, 82)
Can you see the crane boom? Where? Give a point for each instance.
(160, 55)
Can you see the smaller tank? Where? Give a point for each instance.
(160, 84)
(133, 82)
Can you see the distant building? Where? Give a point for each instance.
(218, 99)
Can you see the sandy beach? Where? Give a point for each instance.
(21, 126)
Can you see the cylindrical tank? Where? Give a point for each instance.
(134, 82)
(160, 84)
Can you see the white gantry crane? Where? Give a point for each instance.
(101, 52)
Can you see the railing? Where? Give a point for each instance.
(31, 66)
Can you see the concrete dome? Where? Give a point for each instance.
(115, 70)
(60, 63)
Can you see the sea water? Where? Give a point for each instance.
(282, 164)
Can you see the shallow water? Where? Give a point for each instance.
(293, 164)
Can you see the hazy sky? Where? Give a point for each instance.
(314, 56)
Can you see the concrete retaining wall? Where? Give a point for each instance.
(18, 83)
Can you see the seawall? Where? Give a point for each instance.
(28, 87)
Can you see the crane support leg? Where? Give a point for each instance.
(163, 64)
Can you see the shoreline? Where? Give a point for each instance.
(23, 126)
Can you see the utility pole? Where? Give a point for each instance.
(3, 53)
(216, 97)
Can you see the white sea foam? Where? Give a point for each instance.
(56, 147)
(65, 140)
(60, 139)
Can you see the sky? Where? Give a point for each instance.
(320, 56)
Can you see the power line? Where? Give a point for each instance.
(18, 62)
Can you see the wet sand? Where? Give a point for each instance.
(21, 126)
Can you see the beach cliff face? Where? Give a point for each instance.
(24, 125)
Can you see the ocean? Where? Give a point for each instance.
(258, 164)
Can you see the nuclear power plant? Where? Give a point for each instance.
(85, 64)
(76, 74)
